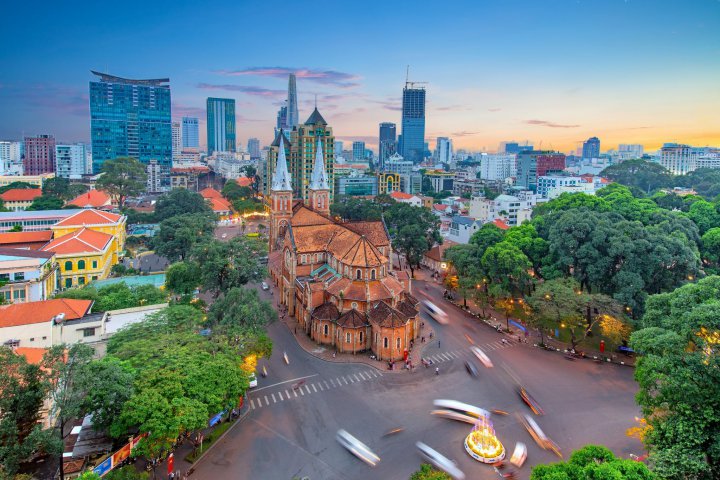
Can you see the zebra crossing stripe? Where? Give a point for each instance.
(321, 388)
(362, 376)
(267, 402)
(301, 391)
(356, 377)
(252, 404)
(445, 357)
(308, 389)
(273, 397)
(326, 384)
(288, 394)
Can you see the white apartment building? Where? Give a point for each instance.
(512, 210)
(27, 275)
(397, 164)
(462, 228)
(71, 161)
(546, 183)
(497, 166)
(176, 139)
(444, 150)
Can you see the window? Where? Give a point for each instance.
(81, 281)
(94, 264)
(354, 304)
(372, 274)
(326, 330)
(385, 342)
(19, 295)
(68, 266)
(4, 277)
(94, 277)
(347, 337)
(19, 276)
(398, 343)
(32, 339)
(360, 337)
(358, 274)
(68, 282)
(88, 332)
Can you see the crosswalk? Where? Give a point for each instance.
(261, 399)
(457, 354)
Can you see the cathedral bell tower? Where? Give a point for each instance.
(280, 198)
(319, 191)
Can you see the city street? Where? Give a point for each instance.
(291, 432)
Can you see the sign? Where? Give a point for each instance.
(104, 467)
(121, 455)
(171, 463)
(118, 457)
(216, 419)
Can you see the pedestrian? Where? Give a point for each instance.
(422, 340)
(295, 330)
(438, 343)
(437, 370)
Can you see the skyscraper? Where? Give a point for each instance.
(412, 139)
(220, 125)
(131, 118)
(591, 148)
(386, 142)
(292, 104)
(39, 155)
(358, 151)
(70, 161)
(254, 148)
(190, 133)
(304, 141)
(281, 121)
(176, 139)
(338, 148)
(443, 150)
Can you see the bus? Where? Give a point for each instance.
(435, 312)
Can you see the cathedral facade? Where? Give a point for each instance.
(337, 278)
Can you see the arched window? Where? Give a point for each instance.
(81, 265)
(398, 343)
(68, 282)
(347, 337)
(360, 337)
(372, 274)
(326, 330)
(385, 342)
(68, 266)
(358, 274)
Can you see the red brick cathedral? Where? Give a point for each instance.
(337, 278)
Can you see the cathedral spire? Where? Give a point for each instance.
(319, 175)
(281, 176)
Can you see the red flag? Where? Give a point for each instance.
(171, 464)
(602, 346)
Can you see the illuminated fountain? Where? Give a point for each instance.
(482, 444)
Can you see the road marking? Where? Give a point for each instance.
(356, 377)
(373, 374)
(301, 391)
(326, 384)
(448, 358)
(346, 382)
(349, 378)
(267, 402)
(295, 392)
(252, 404)
(434, 359)
(288, 394)
(333, 382)
(308, 389)
(286, 381)
(273, 397)
(320, 385)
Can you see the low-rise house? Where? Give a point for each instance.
(84, 255)
(462, 228)
(434, 259)
(27, 275)
(25, 240)
(19, 199)
(401, 197)
(93, 199)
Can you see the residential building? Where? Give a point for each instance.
(591, 148)
(304, 141)
(406, 198)
(682, 159)
(71, 161)
(176, 139)
(707, 158)
(254, 148)
(93, 199)
(511, 209)
(412, 139)
(440, 180)
(39, 155)
(462, 228)
(534, 164)
(338, 148)
(397, 164)
(27, 275)
(500, 166)
(219, 205)
(443, 151)
(411, 183)
(387, 142)
(434, 259)
(154, 177)
(336, 278)
(549, 183)
(220, 125)
(36, 180)
(514, 148)
(190, 133)
(131, 118)
(388, 182)
(229, 165)
(356, 185)
(25, 240)
(32, 221)
(17, 199)
(468, 188)
(358, 149)
(630, 151)
(10, 155)
(188, 177)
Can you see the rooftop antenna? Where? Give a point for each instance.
(316, 100)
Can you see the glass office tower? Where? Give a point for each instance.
(220, 125)
(131, 118)
(412, 139)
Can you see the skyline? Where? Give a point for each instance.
(635, 72)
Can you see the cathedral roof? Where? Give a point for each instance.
(319, 175)
(304, 216)
(281, 176)
(363, 254)
(315, 118)
(352, 319)
(326, 311)
(383, 315)
(373, 231)
(276, 141)
(407, 308)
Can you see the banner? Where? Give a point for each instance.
(171, 463)
(118, 457)
(104, 467)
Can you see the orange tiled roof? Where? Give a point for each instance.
(373, 231)
(303, 216)
(79, 241)
(21, 194)
(92, 199)
(8, 238)
(438, 251)
(363, 254)
(90, 217)
(500, 224)
(219, 204)
(244, 181)
(393, 285)
(352, 319)
(401, 196)
(210, 193)
(38, 312)
(407, 308)
(326, 311)
(385, 316)
(33, 355)
(378, 291)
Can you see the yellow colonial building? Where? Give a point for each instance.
(105, 222)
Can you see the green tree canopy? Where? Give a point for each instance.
(427, 472)
(46, 202)
(180, 233)
(117, 296)
(183, 277)
(61, 188)
(647, 176)
(224, 265)
(593, 462)
(181, 201)
(240, 308)
(122, 177)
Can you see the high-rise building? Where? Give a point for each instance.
(220, 125)
(254, 148)
(190, 133)
(515, 147)
(386, 142)
(678, 159)
(630, 151)
(39, 155)
(534, 164)
(281, 121)
(444, 150)
(131, 118)
(358, 149)
(397, 164)
(338, 148)
(10, 153)
(176, 139)
(71, 160)
(292, 104)
(154, 176)
(497, 166)
(591, 148)
(304, 142)
(412, 138)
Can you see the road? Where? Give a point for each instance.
(291, 433)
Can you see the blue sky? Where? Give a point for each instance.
(553, 71)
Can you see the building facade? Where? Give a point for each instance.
(358, 149)
(356, 185)
(71, 161)
(534, 164)
(387, 142)
(18, 199)
(591, 148)
(131, 118)
(220, 125)
(497, 166)
(27, 275)
(395, 163)
(444, 150)
(388, 182)
(678, 159)
(190, 133)
(254, 148)
(303, 150)
(39, 155)
(176, 139)
(412, 138)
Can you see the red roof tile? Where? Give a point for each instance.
(89, 217)
(92, 199)
(500, 224)
(219, 204)
(210, 193)
(32, 355)
(401, 196)
(38, 312)
(244, 181)
(9, 238)
(79, 241)
(21, 194)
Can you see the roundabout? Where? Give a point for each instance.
(482, 444)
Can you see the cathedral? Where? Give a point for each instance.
(337, 278)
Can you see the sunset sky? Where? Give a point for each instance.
(555, 72)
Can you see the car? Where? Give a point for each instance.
(519, 454)
(461, 408)
(440, 461)
(253, 380)
(530, 401)
(357, 448)
(435, 312)
(452, 415)
(224, 235)
(471, 369)
(265, 286)
(484, 359)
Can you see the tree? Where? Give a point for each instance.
(179, 234)
(224, 265)
(181, 201)
(427, 472)
(507, 267)
(464, 259)
(183, 278)
(487, 236)
(16, 185)
(240, 308)
(122, 177)
(16, 228)
(678, 373)
(705, 215)
(2, 207)
(108, 384)
(24, 388)
(61, 188)
(412, 243)
(647, 176)
(353, 208)
(415, 231)
(593, 462)
(117, 296)
(233, 191)
(711, 246)
(249, 171)
(46, 202)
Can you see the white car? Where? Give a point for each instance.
(253, 380)
(519, 455)
(460, 408)
(435, 312)
(484, 359)
(357, 448)
(440, 461)
(264, 286)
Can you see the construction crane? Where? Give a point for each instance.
(408, 82)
